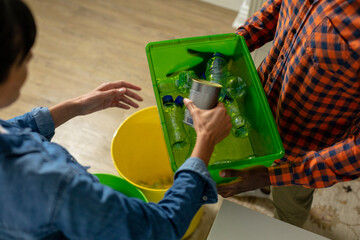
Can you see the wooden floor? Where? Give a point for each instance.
(83, 43)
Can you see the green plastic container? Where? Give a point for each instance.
(121, 185)
(262, 144)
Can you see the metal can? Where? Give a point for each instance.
(204, 95)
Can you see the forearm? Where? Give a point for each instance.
(260, 28)
(65, 111)
(204, 148)
(338, 163)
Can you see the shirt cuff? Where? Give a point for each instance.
(44, 121)
(281, 175)
(197, 166)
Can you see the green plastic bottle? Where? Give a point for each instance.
(178, 137)
(178, 84)
(235, 87)
(239, 123)
(216, 71)
(183, 81)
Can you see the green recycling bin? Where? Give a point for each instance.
(171, 60)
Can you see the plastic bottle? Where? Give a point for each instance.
(165, 86)
(180, 83)
(235, 87)
(216, 71)
(239, 123)
(179, 140)
(183, 81)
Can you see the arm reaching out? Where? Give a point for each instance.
(114, 94)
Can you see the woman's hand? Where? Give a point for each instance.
(118, 94)
(114, 94)
(211, 127)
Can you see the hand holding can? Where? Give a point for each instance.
(204, 95)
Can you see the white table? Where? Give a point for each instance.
(237, 222)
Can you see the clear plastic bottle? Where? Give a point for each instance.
(235, 87)
(239, 123)
(216, 71)
(180, 83)
(183, 81)
(178, 137)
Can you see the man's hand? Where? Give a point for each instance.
(247, 179)
(118, 94)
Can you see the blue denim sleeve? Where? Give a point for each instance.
(39, 120)
(90, 210)
(196, 165)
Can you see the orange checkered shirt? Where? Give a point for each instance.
(311, 79)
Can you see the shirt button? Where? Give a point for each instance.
(293, 31)
(205, 198)
(282, 57)
(311, 1)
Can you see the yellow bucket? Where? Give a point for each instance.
(139, 154)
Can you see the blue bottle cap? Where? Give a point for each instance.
(167, 98)
(216, 54)
(227, 97)
(179, 101)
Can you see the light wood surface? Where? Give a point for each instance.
(83, 43)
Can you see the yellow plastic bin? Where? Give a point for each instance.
(140, 156)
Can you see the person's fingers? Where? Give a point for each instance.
(227, 190)
(118, 84)
(122, 91)
(119, 96)
(128, 101)
(120, 105)
(134, 95)
(226, 194)
(189, 105)
(220, 105)
(229, 173)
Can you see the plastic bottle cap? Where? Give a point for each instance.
(179, 101)
(227, 98)
(167, 98)
(216, 54)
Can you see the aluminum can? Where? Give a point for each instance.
(204, 95)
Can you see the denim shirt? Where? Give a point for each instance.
(46, 194)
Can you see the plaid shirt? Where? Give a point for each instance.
(311, 79)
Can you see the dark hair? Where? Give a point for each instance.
(17, 34)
